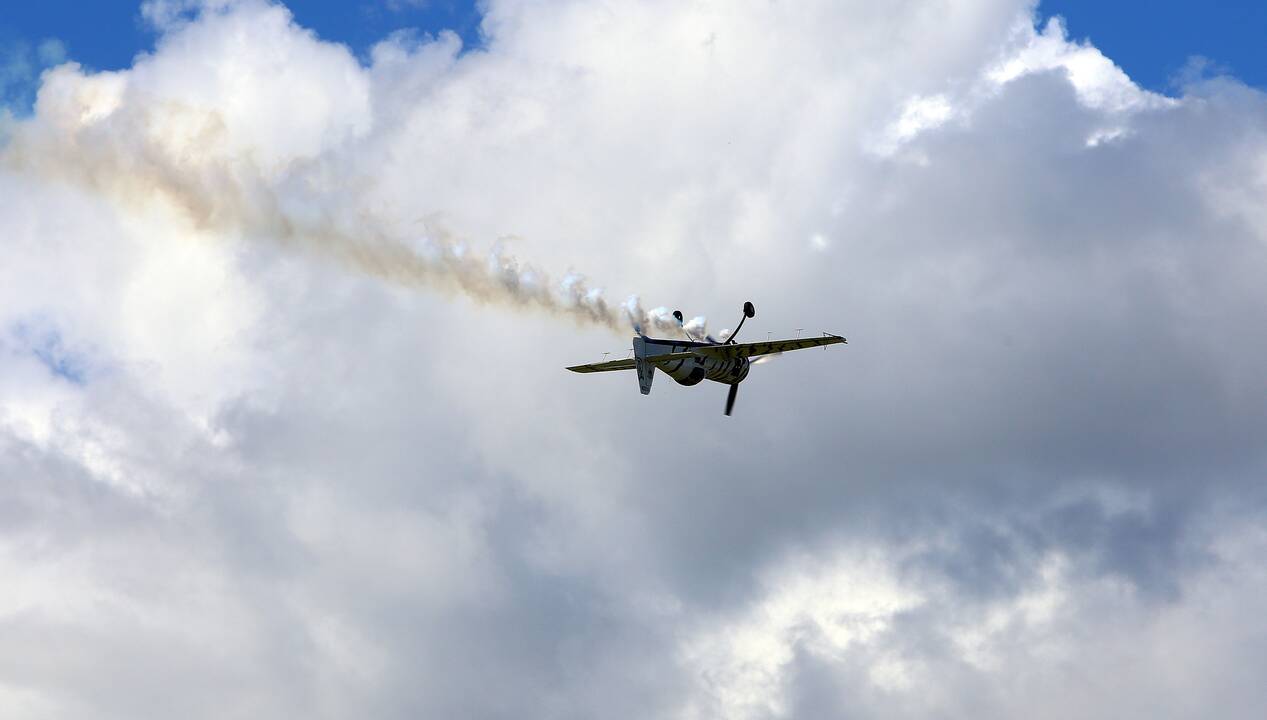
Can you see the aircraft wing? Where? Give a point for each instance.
(626, 364)
(722, 351)
(767, 348)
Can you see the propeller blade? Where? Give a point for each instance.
(730, 398)
(762, 360)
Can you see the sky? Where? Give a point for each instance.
(1154, 46)
(287, 297)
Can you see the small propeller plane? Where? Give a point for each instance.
(688, 362)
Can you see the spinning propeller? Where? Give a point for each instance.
(748, 311)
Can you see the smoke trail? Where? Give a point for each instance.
(141, 153)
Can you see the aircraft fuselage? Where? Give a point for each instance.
(691, 370)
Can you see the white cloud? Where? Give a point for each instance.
(1098, 81)
(321, 457)
(823, 608)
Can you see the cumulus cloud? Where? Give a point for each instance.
(271, 443)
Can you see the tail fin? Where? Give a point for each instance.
(646, 370)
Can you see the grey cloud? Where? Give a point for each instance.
(299, 490)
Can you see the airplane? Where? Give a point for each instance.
(688, 362)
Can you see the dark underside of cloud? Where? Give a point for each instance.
(284, 429)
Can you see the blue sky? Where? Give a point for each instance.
(285, 424)
(1151, 41)
(107, 35)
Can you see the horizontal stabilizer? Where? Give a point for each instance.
(626, 364)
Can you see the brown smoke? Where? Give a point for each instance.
(145, 152)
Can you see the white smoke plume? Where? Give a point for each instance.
(102, 134)
(696, 328)
(273, 492)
